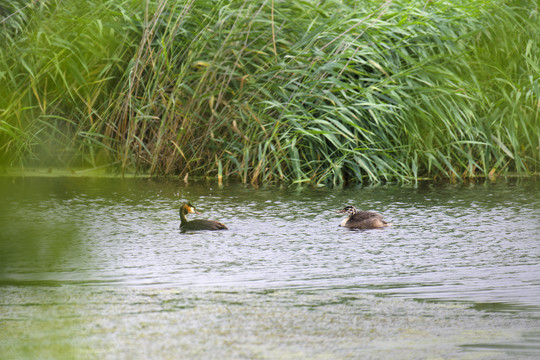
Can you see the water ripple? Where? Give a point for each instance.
(474, 243)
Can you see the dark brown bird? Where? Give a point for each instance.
(362, 219)
(197, 224)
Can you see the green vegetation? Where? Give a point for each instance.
(263, 91)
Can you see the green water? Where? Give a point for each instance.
(97, 269)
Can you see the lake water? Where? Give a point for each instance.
(96, 268)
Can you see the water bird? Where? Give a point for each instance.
(197, 224)
(362, 219)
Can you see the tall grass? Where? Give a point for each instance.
(263, 91)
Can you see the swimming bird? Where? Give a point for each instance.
(197, 224)
(362, 219)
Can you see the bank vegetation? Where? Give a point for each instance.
(269, 91)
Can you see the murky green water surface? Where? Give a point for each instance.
(97, 269)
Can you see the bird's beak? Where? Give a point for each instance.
(341, 211)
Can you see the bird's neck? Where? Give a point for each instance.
(183, 216)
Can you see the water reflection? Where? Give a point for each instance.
(41, 241)
(209, 323)
(284, 282)
(456, 242)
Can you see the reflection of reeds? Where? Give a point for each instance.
(38, 242)
(268, 90)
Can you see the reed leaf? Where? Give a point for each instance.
(325, 92)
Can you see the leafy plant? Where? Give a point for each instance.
(264, 91)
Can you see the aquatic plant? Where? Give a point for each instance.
(263, 91)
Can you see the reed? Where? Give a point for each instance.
(266, 91)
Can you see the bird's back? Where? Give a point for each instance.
(202, 224)
(365, 220)
(365, 215)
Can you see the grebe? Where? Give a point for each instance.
(362, 219)
(197, 224)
